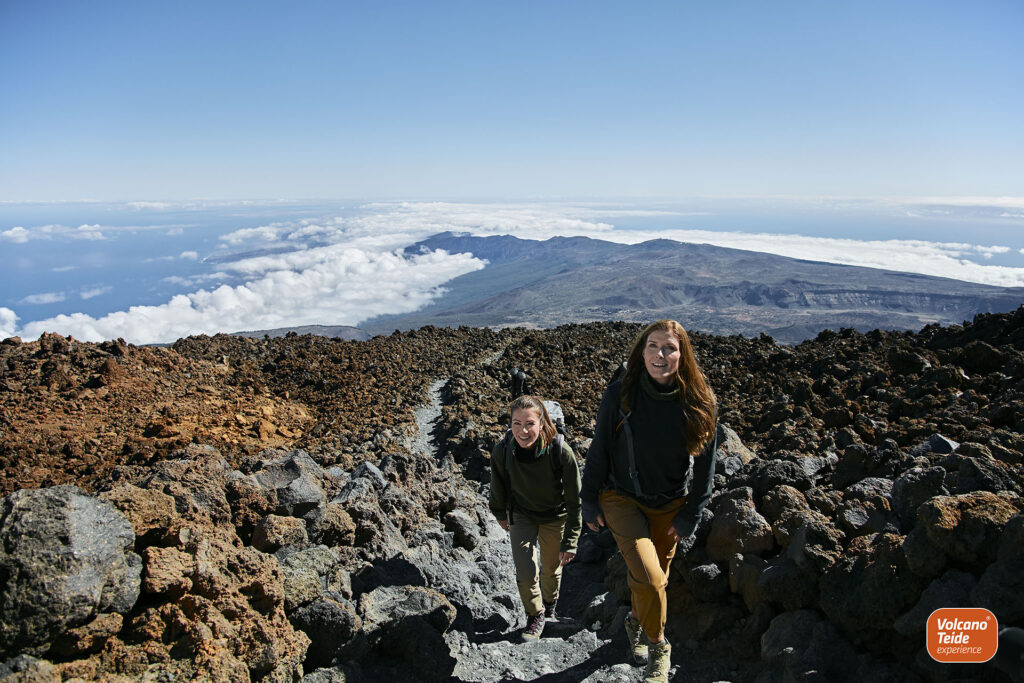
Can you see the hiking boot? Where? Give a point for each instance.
(635, 640)
(658, 663)
(534, 627)
(549, 610)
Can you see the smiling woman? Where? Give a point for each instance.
(661, 356)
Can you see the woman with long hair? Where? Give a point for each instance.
(535, 496)
(639, 481)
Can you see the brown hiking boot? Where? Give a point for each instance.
(658, 662)
(635, 640)
(534, 627)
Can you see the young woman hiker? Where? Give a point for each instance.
(535, 496)
(649, 425)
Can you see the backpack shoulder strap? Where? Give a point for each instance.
(627, 434)
(555, 452)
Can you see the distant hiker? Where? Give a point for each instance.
(535, 495)
(638, 478)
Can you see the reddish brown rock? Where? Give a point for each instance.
(968, 526)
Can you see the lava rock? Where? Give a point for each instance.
(968, 526)
(65, 557)
(738, 528)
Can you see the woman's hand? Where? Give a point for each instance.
(565, 558)
(598, 525)
(503, 523)
(673, 534)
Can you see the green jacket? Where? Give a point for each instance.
(532, 489)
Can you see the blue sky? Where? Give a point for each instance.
(510, 100)
(150, 150)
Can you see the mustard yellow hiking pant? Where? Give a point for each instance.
(644, 539)
(537, 584)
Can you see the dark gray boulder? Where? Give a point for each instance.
(708, 582)
(408, 623)
(297, 481)
(869, 587)
(65, 557)
(924, 558)
(356, 489)
(802, 646)
(738, 528)
(785, 583)
(815, 541)
(465, 529)
(977, 474)
(936, 443)
(732, 454)
(866, 507)
(914, 487)
(331, 626)
(372, 473)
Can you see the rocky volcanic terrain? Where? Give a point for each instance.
(301, 507)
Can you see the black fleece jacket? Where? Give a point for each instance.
(662, 457)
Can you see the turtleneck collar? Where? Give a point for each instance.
(528, 454)
(657, 391)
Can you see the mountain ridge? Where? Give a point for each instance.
(716, 290)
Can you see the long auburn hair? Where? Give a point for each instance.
(697, 398)
(547, 426)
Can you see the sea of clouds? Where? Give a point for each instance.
(342, 270)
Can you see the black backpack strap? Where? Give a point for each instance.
(555, 456)
(509, 444)
(627, 434)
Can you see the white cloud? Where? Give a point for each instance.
(63, 269)
(200, 204)
(1007, 202)
(95, 292)
(149, 206)
(82, 232)
(185, 255)
(194, 280)
(88, 232)
(346, 287)
(8, 321)
(266, 233)
(43, 298)
(18, 235)
(989, 252)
